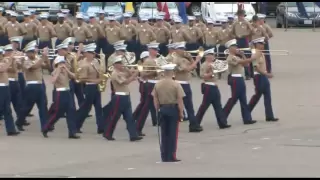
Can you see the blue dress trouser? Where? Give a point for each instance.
(268, 57)
(34, 94)
(188, 104)
(238, 92)
(147, 106)
(169, 124)
(262, 87)
(143, 94)
(16, 96)
(119, 105)
(5, 109)
(211, 96)
(92, 97)
(244, 43)
(22, 82)
(63, 103)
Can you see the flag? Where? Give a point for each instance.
(166, 10)
(183, 12)
(159, 6)
(84, 7)
(302, 9)
(129, 7)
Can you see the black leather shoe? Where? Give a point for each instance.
(225, 126)
(172, 160)
(250, 122)
(89, 115)
(195, 129)
(30, 115)
(248, 78)
(74, 136)
(100, 131)
(20, 128)
(135, 138)
(141, 134)
(110, 138)
(79, 131)
(13, 133)
(26, 123)
(45, 134)
(272, 119)
(50, 129)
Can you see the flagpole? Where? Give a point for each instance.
(314, 22)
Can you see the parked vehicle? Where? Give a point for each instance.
(218, 11)
(8, 5)
(50, 7)
(150, 9)
(109, 7)
(288, 15)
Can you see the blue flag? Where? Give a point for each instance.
(263, 7)
(183, 12)
(302, 9)
(84, 7)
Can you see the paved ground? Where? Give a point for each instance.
(288, 148)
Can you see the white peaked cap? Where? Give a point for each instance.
(61, 15)
(180, 45)
(29, 47)
(144, 18)
(261, 16)
(79, 16)
(27, 13)
(120, 47)
(127, 15)
(69, 40)
(191, 18)
(209, 21)
(258, 40)
(32, 43)
(111, 14)
(62, 46)
(14, 14)
(223, 20)
(91, 15)
(153, 45)
(144, 54)
(161, 13)
(177, 19)
(118, 43)
(90, 47)
(231, 43)
(59, 59)
(209, 51)
(111, 18)
(158, 17)
(32, 11)
(101, 11)
(65, 11)
(8, 47)
(46, 13)
(1, 50)
(16, 39)
(117, 59)
(171, 46)
(168, 67)
(43, 16)
(197, 14)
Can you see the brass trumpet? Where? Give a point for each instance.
(140, 68)
(266, 52)
(199, 51)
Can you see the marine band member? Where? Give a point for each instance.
(210, 91)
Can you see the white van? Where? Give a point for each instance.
(218, 11)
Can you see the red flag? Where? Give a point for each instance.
(159, 6)
(166, 10)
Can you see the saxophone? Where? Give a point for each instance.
(102, 75)
(75, 66)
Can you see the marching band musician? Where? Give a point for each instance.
(270, 35)
(3, 19)
(33, 17)
(80, 31)
(45, 32)
(66, 12)
(210, 35)
(34, 90)
(258, 31)
(198, 22)
(230, 21)
(95, 29)
(111, 15)
(261, 81)
(13, 28)
(210, 91)
(101, 42)
(195, 33)
(113, 34)
(162, 34)
(31, 29)
(89, 73)
(224, 35)
(242, 30)
(62, 28)
(182, 76)
(128, 31)
(63, 102)
(102, 22)
(120, 102)
(178, 34)
(237, 83)
(171, 49)
(152, 78)
(142, 86)
(165, 23)
(145, 35)
(168, 99)
(5, 97)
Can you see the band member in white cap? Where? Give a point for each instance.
(182, 76)
(45, 33)
(261, 81)
(178, 34)
(237, 83)
(129, 32)
(96, 31)
(210, 91)
(142, 86)
(168, 101)
(63, 102)
(162, 34)
(5, 100)
(171, 49)
(13, 28)
(89, 74)
(31, 29)
(34, 91)
(62, 28)
(152, 78)
(196, 35)
(80, 31)
(66, 13)
(120, 102)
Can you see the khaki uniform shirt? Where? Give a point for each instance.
(167, 91)
(179, 35)
(2, 30)
(96, 31)
(35, 20)
(224, 36)
(3, 20)
(260, 63)
(162, 34)
(113, 34)
(169, 58)
(234, 66)
(69, 22)
(118, 78)
(166, 24)
(14, 29)
(81, 33)
(258, 32)
(4, 75)
(63, 30)
(206, 68)
(201, 25)
(210, 37)
(145, 36)
(13, 68)
(241, 29)
(102, 23)
(31, 29)
(128, 31)
(88, 70)
(182, 74)
(195, 34)
(268, 30)
(32, 74)
(62, 80)
(45, 33)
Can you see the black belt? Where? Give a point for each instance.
(168, 105)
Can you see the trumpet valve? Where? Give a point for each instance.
(140, 68)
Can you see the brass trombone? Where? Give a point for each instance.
(140, 68)
(266, 52)
(199, 51)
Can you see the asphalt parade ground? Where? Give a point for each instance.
(288, 148)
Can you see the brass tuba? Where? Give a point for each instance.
(219, 66)
(102, 75)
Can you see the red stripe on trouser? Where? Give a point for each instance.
(205, 94)
(144, 108)
(113, 116)
(233, 94)
(176, 147)
(254, 97)
(57, 101)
